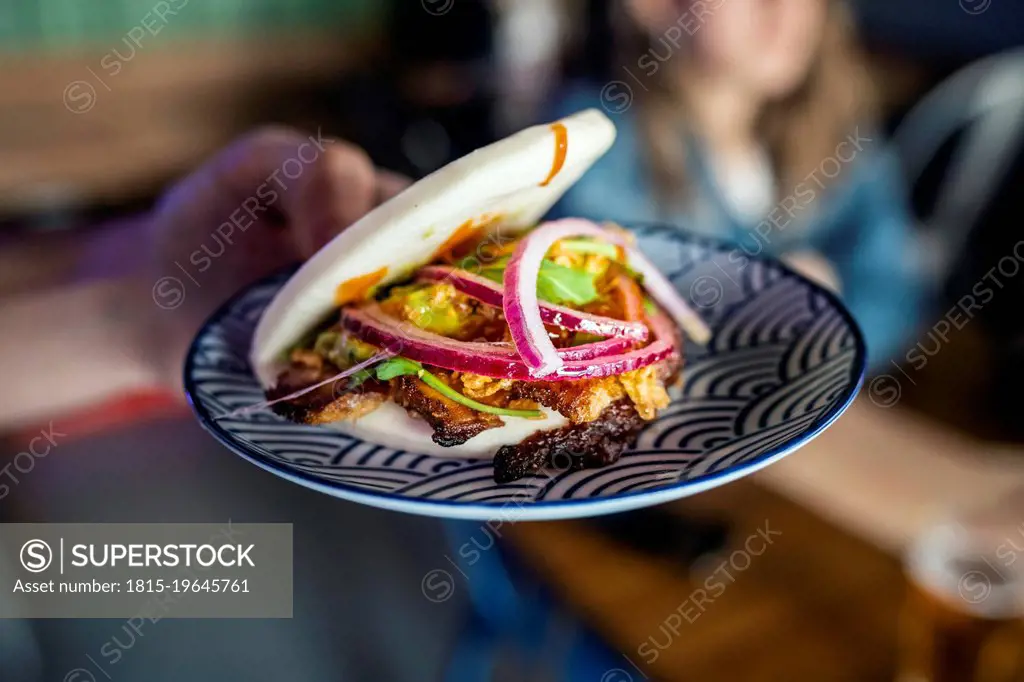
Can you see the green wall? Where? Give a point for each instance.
(70, 24)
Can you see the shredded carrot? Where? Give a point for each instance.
(631, 298)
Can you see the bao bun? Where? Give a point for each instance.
(500, 187)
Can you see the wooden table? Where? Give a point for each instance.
(822, 602)
(816, 604)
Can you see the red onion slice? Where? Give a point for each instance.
(666, 294)
(522, 309)
(499, 349)
(374, 326)
(491, 293)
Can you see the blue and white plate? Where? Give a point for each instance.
(785, 361)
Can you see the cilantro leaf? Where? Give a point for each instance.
(559, 284)
(555, 283)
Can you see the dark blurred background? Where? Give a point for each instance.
(93, 126)
(95, 121)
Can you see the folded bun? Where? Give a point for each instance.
(507, 186)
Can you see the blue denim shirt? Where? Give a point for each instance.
(860, 221)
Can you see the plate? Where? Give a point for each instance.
(785, 360)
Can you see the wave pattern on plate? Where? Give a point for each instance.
(784, 360)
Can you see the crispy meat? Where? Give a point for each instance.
(453, 423)
(589, 445)
(326, 404)
(605, 414)
(586, 399)
(645, 390)
(476, 386)
(578, 401)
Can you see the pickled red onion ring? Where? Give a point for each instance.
(522, 308)
(374, 326)
(491, 293)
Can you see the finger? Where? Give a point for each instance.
(319, 186)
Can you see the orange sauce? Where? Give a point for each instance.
(463, 233)
(467, 233)
(561, 147)
(358, 288)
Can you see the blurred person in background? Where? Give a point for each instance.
(753, 121)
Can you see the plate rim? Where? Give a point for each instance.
(541, 509)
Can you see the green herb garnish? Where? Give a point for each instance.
(555, 283)
(559, 284)
(444, 389)
(398, 366)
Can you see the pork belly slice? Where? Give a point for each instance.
(587, 445)
(452, 422)
(329, 403)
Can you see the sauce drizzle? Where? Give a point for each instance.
(358, 288)
(463, 233)
(561, 147)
